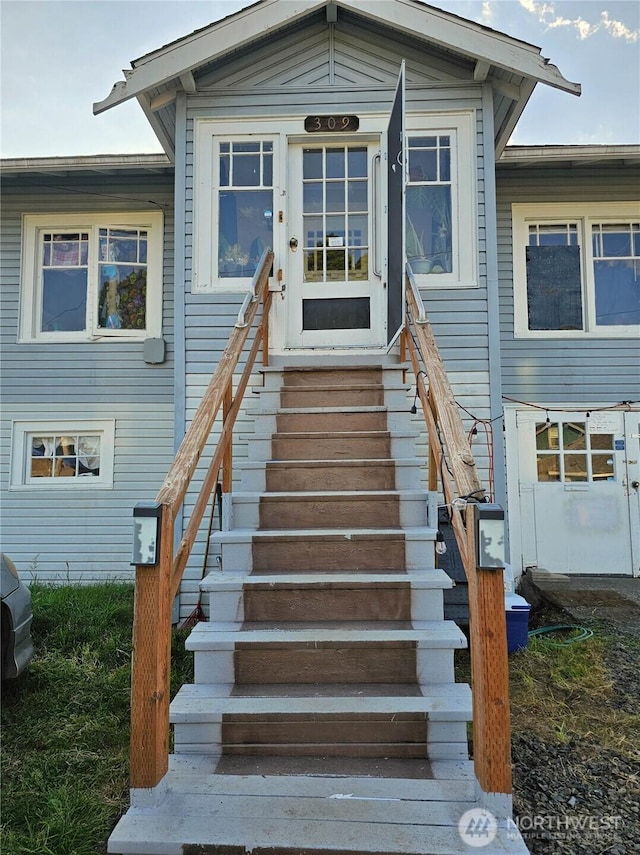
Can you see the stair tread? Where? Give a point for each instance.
(208, 702)
(429, 579)
(241, 534)
(340, 495)
(430, 633)
(329, 690)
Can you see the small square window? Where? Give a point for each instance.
(62, 454)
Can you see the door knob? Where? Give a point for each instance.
(635, 484)
(293, 243)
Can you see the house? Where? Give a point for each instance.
(285, 126)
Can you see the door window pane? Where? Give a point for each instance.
(566, 452)
(548, 467)
(335, 245)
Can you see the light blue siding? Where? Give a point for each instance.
(556, 370)
(80, 535)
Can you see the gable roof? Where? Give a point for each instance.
(155, 78)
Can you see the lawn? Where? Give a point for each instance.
(65, 728)
(65, 723)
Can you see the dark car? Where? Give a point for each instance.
(17, 647)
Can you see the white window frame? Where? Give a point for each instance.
(464, 203)
(208, 136)
(585, 215)
(35, 225)
(22, 430)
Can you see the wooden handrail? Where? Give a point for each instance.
(157, 586)
(451, 458)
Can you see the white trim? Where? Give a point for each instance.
(257, 21)
(585, 214)
(22, 429)
(34, 224)
(464, 195)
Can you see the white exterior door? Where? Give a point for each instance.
(335, 296)
(576, 508)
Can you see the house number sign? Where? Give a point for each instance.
(333, 124)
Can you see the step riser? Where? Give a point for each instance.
(433, 740)
(410, 551)
(302, 422)
(287, 476)
(304, 604)
(334, 511)
(331, 448)
(329, 513)
(385, 446)
(230, 606)
(337, 397)
(332, 377)
(293, 477)
(343, 665)
(346, 554)
(424, 665)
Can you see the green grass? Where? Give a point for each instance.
(65, 723)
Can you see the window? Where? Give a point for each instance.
(567, 452)
(62, 454)
(576, 270)
(235, 187)
(245, 215)
(440, 225)
(92, 277)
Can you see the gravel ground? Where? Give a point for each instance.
(578, 798)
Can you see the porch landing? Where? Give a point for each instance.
(275, 812)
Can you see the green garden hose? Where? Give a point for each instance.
(583, 634)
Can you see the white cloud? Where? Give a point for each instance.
(618, 30)
(487, 12)
(546, 14)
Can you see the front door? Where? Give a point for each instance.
(335, 295)
(579, 506)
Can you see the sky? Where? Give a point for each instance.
(57, 57)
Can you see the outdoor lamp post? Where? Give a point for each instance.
(489, 536)
(146, 534)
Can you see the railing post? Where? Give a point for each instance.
(489, 671)
(151, 671)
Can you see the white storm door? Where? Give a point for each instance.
(573, 467)
(334, 297)
(632, 457)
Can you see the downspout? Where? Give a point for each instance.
(179, 345)
(493, 302)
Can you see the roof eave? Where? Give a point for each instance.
(256, 21)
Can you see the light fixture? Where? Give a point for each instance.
(146, 534)
(441, 546)
(489, 536)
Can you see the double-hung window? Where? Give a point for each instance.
(440, 224)
(577, 270)
(87, 277)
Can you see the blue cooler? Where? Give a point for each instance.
(517, 611)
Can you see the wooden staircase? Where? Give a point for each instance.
(325, 716)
